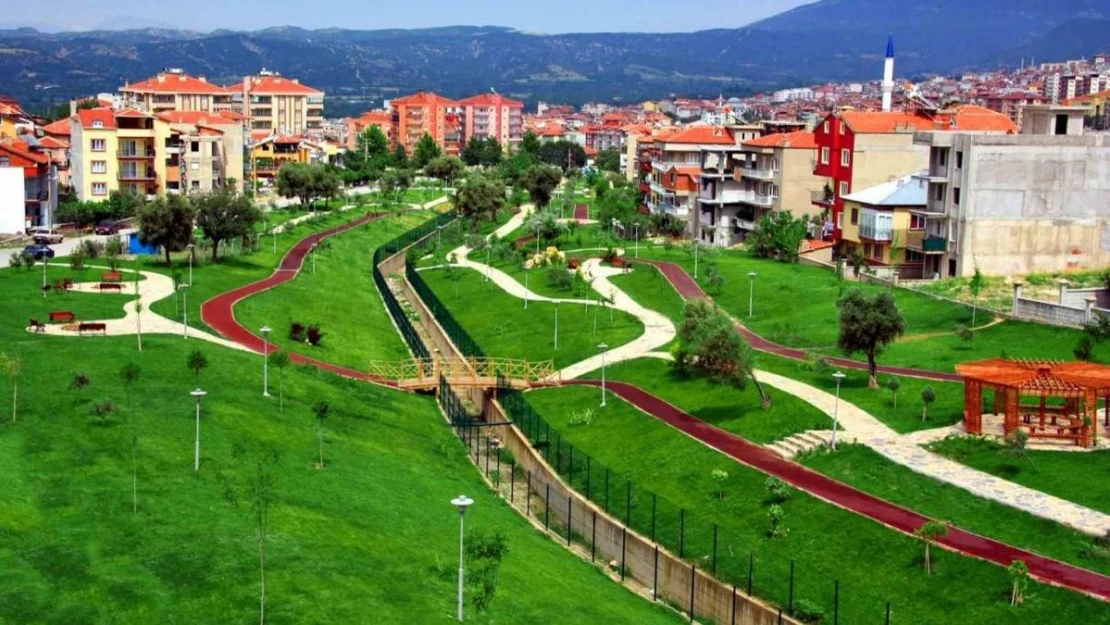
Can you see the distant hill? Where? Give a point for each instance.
(828, 40)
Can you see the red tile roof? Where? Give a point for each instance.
(60, 128)
(702, 135)
(1092, 97)
(374, 117)
(491, 99)
(130, 112)
(196, 117)
(966, 117)
(800, 140)
(51, 143)
(22, 150)
(173, 83)
(278, 85)
(102, 115)
(424, 98)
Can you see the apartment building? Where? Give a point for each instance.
(740, 184)
(28, 185)
(885, 225)
(493, 115)
(118, 150)
(203, 152)
(675, 157)
(1038, 201)
(268, 153)
(174, 90)
(357, 125)
(861, 149)
(602, 137)
(426, 113)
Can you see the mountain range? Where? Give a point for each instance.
(829, 40)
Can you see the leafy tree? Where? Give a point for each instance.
(281, 361)
(929, 533)
(320, 410)
(197, 362)
(540, 181)
(778, 235)
(11, 365)
(482, 151)
(426, 151)
(225, 214)
(479, 197)
(167, 222)
(371, 152)
(130, 374)
(720, 476)
(868, 324)
(400, 157)
(894, 384)
(484, 554)
(776, 516)
(711, 346)
(113, 249)
(976, 285)
(928, 396)
(394, 183)
(608, 160)
(307, 182)
(530, 144)
(1019, 581)
(716, 279)
(562, 154)
(445, 168)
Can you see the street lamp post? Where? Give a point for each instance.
(274, 233)
(695, 259)
(637, 239)
(462, 502)
(314, 259)
(191, 247)
(836, 406)
(197, 395)
(603, 347)
(45, 261)
(556, 324)
(184, 288)
(265, 361)
(751, 292)
(537, 236)
(526, 272)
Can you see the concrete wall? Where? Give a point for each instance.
(1048, 312)
(796, 182)
(881, 158)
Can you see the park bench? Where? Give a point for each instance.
(618, 262)
(573, 262)
(92, 327)
(37, 325)
(111, 276)
(63, 316)
(111, 286)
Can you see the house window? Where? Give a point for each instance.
(855, 216)
(826, 127)
(194, 146)
(959, 160)
(955, 195)
(195, 166)
(824, 156)
(98, 145)
(100, 188)
(843, 188)
(841, 129)
(914, 257)
(99, 167)
(877, 252)
(195, 184)
(866, 250)
(942, 158)
(938, 193)
(917, 222)
(97, 123)
(845, 158)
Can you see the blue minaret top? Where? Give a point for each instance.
(890, 46)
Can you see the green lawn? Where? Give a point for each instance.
(650, 289)
(504, 329)
(372, 534)
(1081, 477)
(23, 300)
(873, 564)
(356, 326)
(868, 471)
(728, 408)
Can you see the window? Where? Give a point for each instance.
(878, 252)
(914, 257)
(942, 158)
(917, 222)
(955, 195)
(194, 146)
(98, 145)
(867, 250)
(97, 123)
(824, 156)
(99, 167)
(845, 158)
(843, 188)
(826, 127)
(959, 160)
(195, 184)
(100, 188)
(855, 216)
(195, 165)
(841, 129)
(938, 193)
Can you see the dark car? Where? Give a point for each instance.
(108, 227)
(39, 251)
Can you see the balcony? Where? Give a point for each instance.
(758, 173)
(761, 200)
(136, 176)
(822, 198)
(934, 245)
(876, 226)
(671, 209)
(130, 155)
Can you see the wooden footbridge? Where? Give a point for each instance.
(425, 373)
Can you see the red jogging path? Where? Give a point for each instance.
(688, 288)
(219, 311)
(1044, 569)
(581, 212)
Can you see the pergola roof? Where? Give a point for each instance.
(1040, 377)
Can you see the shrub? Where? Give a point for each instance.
(808, 612)
(314, 335)
(113, 249)
(28, 260)
(1085, 349)
(104, 409)
(776, 515)
(583, 417)
(297, 332)
(965, 333)
(15, 261)
(559, 278)
(80, 380)
(777, 491)
(77, 258)
(91, 248)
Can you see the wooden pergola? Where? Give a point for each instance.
(1079, 385)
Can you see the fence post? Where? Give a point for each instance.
(547, 439)
(498, 471)
(887, 613)
(624, 549)
(593, 540)
(714, 549)
(559, 456)
(528, 495)
(780, 617)
(836, 603)
(655, 576)
(628, 502)
(487, 457)
(570, 500)
(512, 481)
(751, 570)
(693, 579)
(790, 599)
(681, 532)
(547, 507)
(653, 498)
(733, 604)
(588, 479)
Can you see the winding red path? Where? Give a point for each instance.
(688, 288)
(1044, 569)
(581, 212)
(219, 311)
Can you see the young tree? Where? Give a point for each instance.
(479, 197)
(167, 223)
(197, 362)
(225, 214)
(976, 285)
(484, 554)
(400, 157)
(1019, 581)
(711, 346)
(540, 181)
(130, 374)
(139, 303)
(259, 490)
(104, 409)
(608, 160)
(929, 533)
(530, 144)
(320, 411)
(928, 396)
(894, 384)
(445, 168)
(425, 151)
(281, 361)
(113, 249)
(371, 151)
(1017, 445)
(779, 235)
(868, 324)
(720, 476)
(11, 365)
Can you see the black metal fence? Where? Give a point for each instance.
(458, 335)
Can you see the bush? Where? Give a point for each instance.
(15, 261)
(92, 249)
(775, 516)
(583, 417)
(77, 259)
(558, 277)
(28, 260)
(777, 491)
(807, 612)
(965, 333)
(314, 335)
(297, 332)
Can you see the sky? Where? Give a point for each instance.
(528, 15)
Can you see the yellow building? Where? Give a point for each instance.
(880, 223)
(118, 150)
(269, 153)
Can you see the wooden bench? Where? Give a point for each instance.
(111, 286)
(618, 262)
(63, 316)
(92, 327)
(37, 325)
(112, 276)
(573, 262)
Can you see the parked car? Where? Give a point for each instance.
(108, 227)
(45, 235)
(39, 251)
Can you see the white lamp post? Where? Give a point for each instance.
(603, 347)
(265, 361)
(274, 234)
(695, 258)
(556, 324)
(637, 239)
(184, 288)
(836, 406)
(191, 247)
(462, 502)
(751, 292)
(526, 272)
(197, 395)
(45, 260)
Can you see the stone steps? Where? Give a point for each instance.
(803, 442)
